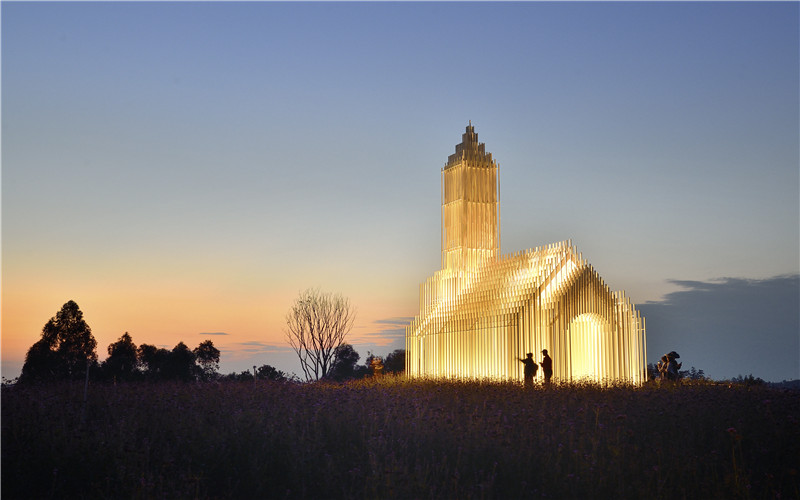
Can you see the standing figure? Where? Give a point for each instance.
(673, 366)
(530, 369)
(662, 367)
(547, 367)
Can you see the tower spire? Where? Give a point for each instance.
(470, 205)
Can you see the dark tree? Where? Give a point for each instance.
(267, 372)
(180, 364)
(395, 361)
(344, 363)
(153, 361)
(123, 359)
(65, 351)
(207, 357)
(41, 364)
(243, 376)
(748, 380)
(692, 374)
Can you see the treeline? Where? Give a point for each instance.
(691, 374)
(695, 375)
(67, 349)
(345, 367)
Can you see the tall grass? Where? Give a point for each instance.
(399, 439)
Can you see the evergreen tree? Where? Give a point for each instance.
(180, 364)
(153, 361)
(123, 359)
(267, 372)
(343, 367)
(207, 357)
(65, 351)
(395, 361)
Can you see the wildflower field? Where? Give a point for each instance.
(392, 438)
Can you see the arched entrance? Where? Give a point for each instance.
(588, 335)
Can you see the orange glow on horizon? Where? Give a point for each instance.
(170, 308)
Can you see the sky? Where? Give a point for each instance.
(184, 170)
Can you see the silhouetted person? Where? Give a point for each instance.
(547, 367)
(530, 369)
(673, 366)
(662, 367)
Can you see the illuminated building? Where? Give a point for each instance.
(483, 311)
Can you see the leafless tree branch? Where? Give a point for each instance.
(315, 326)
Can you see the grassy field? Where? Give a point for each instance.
(399, 439)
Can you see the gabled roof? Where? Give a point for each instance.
(500, 288)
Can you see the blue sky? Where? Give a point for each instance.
(187, 168)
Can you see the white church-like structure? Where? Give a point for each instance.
(483, 311)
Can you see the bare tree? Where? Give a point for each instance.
(315, 326)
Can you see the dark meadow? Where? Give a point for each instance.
(389, 437)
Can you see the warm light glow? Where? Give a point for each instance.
(483, 311)
(588, 333)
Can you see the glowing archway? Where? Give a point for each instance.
(589, 335)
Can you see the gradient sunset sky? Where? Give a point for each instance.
(183, 170)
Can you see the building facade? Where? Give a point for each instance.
(483, 311)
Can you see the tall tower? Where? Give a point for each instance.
(470, 206)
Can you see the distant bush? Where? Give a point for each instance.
(748, 380)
